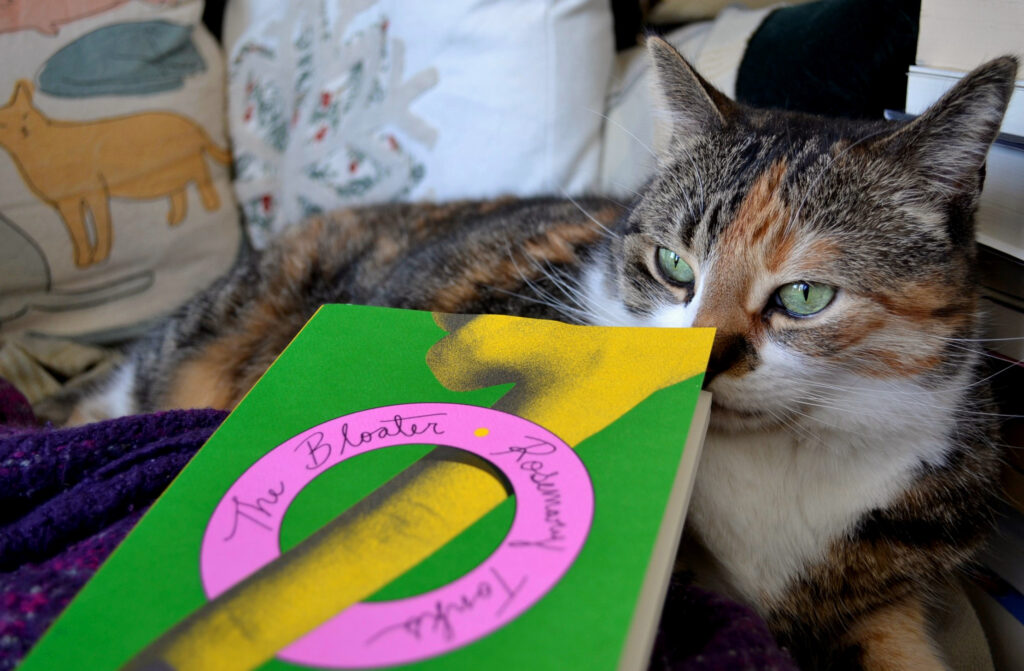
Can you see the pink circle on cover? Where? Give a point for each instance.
(554, 511)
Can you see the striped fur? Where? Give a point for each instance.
(850, 465)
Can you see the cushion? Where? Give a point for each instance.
(844, 58)
(338, 104)
(634, 131)
(115, 202)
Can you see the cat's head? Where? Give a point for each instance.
(834, 257)
(19, 118)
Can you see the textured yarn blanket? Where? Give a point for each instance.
(69, 496)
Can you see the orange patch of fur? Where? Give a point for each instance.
(505, 275)
(226, 369)
(892, 364)
(755, 240)
(858, 325)
(924, 301)
(761, 211)
(386, 251)
(204, 382)
(928, 307)
(895, 638)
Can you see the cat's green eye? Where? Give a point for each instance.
(804, 299)
(674, 267)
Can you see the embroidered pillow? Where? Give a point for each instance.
(115, 202)
(342, 103)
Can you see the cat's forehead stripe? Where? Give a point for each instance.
(761, 212)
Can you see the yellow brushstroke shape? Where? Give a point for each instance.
(573, 380)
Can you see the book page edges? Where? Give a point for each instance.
(640, 639)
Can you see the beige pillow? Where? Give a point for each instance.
(115, 200)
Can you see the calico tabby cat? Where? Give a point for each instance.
(850, 464)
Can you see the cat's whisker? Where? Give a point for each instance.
(797, 427)
(894, 388)
(896, 413)
(624, 130)
(550, 273)
(696, 170)
(589, 216)
(919, 391)
(967, 345)
(543, 297)
(979, 340)
(568, 286)
(547, 271)
(902, 396)
(560, 308)
(625, 187)
(983, 353)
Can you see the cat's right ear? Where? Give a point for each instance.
(693, 105)
(947, 145)
(22, 95)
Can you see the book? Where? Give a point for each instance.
(960, 35)
(354, 510)
(926, 84)
(1001, 209)
(955, 37)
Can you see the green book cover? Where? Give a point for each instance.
(404, 488)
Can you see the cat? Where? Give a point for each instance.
(851, 461)
(76, 166)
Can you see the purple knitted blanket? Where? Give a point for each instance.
(68, 497)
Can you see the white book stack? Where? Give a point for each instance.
(955, 37)
(1001, 213)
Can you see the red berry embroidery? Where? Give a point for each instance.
(268, 202)
(321, 133)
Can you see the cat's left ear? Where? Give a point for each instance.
(22, 95)
(693, 105)
(947, 145)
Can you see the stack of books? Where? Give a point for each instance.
(955, 37)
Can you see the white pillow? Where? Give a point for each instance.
(333, 104)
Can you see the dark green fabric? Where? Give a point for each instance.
(213, 16)
(836, 57)
(628, 20)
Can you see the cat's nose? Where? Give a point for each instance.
(726, 352)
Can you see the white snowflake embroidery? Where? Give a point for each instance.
(321, 116)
